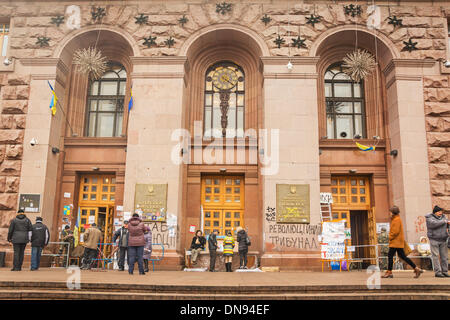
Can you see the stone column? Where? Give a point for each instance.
(156, 113)
(406, 124)
(290, 105)
(39, 164)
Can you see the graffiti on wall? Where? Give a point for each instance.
(161, 234)
(285, 237)
(420, 224)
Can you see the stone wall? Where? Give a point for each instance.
(14, 92)
(424, 24)
(437, 112)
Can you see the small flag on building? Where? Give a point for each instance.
(130, 103)
(54, 100)
(365, 148)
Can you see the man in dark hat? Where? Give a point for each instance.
(122, 235)
(40, 236)
(437, 232)
(19, 234)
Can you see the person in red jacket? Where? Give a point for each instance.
(136, 243)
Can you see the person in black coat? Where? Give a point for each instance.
(122, 235)
(40, 236)
(19, 234)
(212, 246)
(197, 245)
(243, 247)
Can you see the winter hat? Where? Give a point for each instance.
(38, 219)
(436, 209)
(239, 229)
(20, 211)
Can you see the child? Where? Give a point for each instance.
(147, 248)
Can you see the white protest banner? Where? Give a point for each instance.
(333, 231)
(333, 251)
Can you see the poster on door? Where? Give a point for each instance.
(333, 251)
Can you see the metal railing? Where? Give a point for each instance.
(54, 255)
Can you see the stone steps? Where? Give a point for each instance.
(108, 295)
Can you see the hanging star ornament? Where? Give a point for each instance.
(150, 41)
(169, 42)
(266, 19)
(43, 41)
(279, 41)
(141, 19)
(395, 21)
(57, 20)
(359, 64)
(90, 62)
(98, 13)
(409, 45)
(223, 7)
(353, 10)
(312, 20)
(183, 20)
(299, 42)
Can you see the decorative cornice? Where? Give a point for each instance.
(290, 75)
(43, 62)
(404, 77)
(350, 144)
(95, 142)
(175, 60)
(294, 60)
(157, 75)
(408, 63)
(52, 76)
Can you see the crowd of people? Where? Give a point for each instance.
(134, 244)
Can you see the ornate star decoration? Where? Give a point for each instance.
(223, 7)
(279, 41)
(98, 13)
(266, 19)
(169, 42)
(299, 42)
(395, 21)
(183, 20)
(409, 45)
(313, 19)
(150, 41)
(43, 41)
(141, 19)
(353, 10)
(57, 20)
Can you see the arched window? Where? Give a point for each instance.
(224, 101)
(105, 103)
(345, 105)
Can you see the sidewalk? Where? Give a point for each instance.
(234, 279)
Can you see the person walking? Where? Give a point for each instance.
(147, 248)
(228, 245)
(92, 237)
(19, 233)
(122, 235)
(397, 244)
(243, 240)
(136, 243)
(198, 244)
(40, 236)
(212, 246)
(437, 232)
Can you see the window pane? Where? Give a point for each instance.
(344, 126)
(5, 45)
(108, 88)
(105, 124)
(123, 74)
(93, 105)
(119, 124)
(358, 125)
(342, 90)
(110, 75)
(240, 100)
(343, 107)
(330, 126)
(106, 105)
(329, 75)
(94, 88)
(357, 106)
(342, 76)
(208, 99)
(91, 125)
(122, 88)
(240, 123)
(328, 92)
(357, 90)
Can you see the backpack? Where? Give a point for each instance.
(247, 241)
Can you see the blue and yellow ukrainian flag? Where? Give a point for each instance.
(76, 230)
(365, 148)
(130, 103)
(54, 100)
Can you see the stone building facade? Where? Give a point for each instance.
(166, 49)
